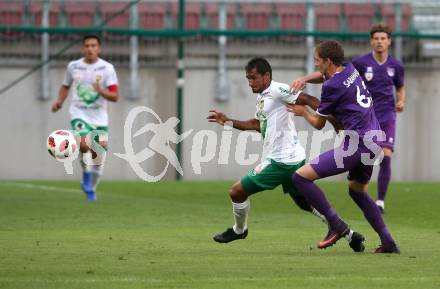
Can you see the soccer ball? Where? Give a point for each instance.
(61, 144)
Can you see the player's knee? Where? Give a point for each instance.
(237, 194)
(358, 187)
(301, 202)
(307, 172)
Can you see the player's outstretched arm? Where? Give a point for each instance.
(300, 83)
(306, 99)
(335, 123)
(314, 119)
(313, 102)
(62, 95)
(221, 118)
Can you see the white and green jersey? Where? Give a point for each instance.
(277, 125)
(86, 104)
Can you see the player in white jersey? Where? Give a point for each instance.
(90, 82)
(282, 152)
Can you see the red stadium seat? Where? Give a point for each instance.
(80, 15)
(152, 15)
(359, 16)
(212, 11)
(328, 17)
(388, 15)
(115, 15)
(36, 11)
(257, 16)
(109, 11)
(292, 16)
(11, 14)
(192, 15)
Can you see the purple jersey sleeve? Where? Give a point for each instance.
(399, 77)
(329, 99)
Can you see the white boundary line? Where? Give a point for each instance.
(40, 187)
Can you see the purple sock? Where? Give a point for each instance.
(317, 199)
(384, 177)
(373, 216)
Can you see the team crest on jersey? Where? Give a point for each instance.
(369, 73)
(87, 94)
(390, 71)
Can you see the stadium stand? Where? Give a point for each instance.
(80, 15)
(11, 14)
(426, 20)
(108, 11)
(328, 17)
(388, 16)
(192, 15)
(212, 10)
(152, 16)
(36, 12)
(359, 17)
(292, 16)
(256, 16)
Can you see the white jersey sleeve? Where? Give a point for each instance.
(282, 91)
(111, 78)
(68, 78)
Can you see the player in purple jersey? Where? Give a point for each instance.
(382, 73)
(344, 97)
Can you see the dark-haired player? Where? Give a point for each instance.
(91, 82)
(383, 74)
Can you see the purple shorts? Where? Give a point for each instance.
(359, 164)
(389, 128)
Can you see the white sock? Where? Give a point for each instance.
(240, 211)
(96, 171)
(380, 203)
(349, 235)
(84, 159)
(321, 216)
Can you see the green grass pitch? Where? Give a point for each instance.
(143, 235)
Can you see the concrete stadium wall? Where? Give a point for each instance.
(26, 122)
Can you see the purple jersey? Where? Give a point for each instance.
(346, 97)
(381, 80)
